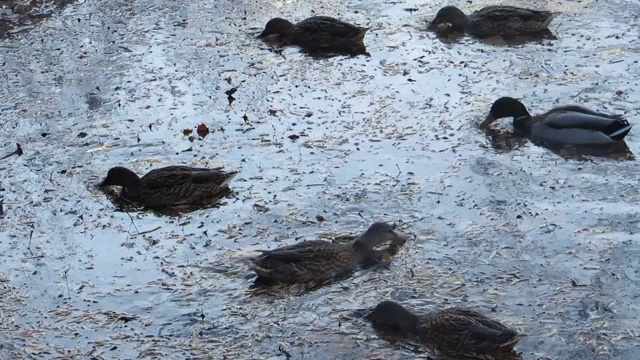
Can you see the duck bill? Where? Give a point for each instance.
(433, 25)
(490, 119)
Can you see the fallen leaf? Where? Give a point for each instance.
(187, 132)
(202, 130)
(293, 137)
(320, 218)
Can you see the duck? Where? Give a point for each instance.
(456, 333)
(563, 125)
(318, 34)
(502, 20)
(321, 261)
(169, 186)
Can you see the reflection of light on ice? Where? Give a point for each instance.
(101, 148)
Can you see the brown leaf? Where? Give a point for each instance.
(202, 130)
(293, 137)
(187, 132)
(320, 218)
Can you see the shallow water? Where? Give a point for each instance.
(546, 244)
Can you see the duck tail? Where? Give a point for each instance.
(361, 34)
(228, 177)
(513, 340)
(617, 129)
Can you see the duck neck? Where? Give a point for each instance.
(522, 124)
(130, 183)
(361, 249)
(408, 321)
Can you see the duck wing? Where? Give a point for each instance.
(304, 251)
(330, 26)
(581, 128)
(167, 177)
(456, 332)
(212, 176)
(583, 110)
(504, 12)
(489, 340)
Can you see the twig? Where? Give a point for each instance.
(132, 223)
(149, 231)
(202, 316)
(65, 274)
(399, 171)
(29, 246)
(17, 152)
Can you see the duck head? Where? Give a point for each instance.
(122, 177)
(390, 314)
(505, 107)
(377, 234)
(450, 15)
(277, 26)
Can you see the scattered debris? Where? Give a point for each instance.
(202, 130)
(18, 152)
(230, 93)
(260, 208)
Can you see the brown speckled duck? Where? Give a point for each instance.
(319, 34)
(171, 185)
(454, 333)
(502, 20)
(322, 261)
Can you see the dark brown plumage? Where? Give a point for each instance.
(455, 333)
(171, 185)
(494, 20)
(322, 261)
(319, 34)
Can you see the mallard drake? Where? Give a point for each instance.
(319, 34)
(322, 261)
(171, 185)
(564, 125)
(494, 20)
(452, 333)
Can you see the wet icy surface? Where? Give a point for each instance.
(545, 244)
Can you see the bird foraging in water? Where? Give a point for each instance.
(564, 125)
(502, 20)
(319, 34)
(455, 333)
(322, 261)
(171, 185)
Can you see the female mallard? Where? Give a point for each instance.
(452, 333)
(494, 20)
(171, 185)
(564, 125)
(321, 261)
(319, 34)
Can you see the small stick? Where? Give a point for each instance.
(29, 246)
(66, 279)
(17, 152)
